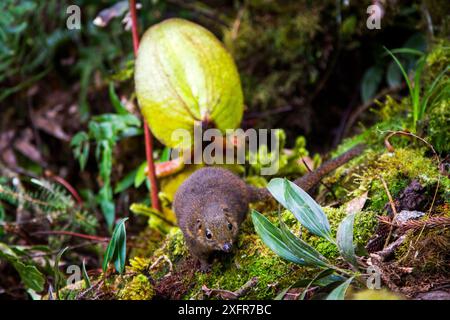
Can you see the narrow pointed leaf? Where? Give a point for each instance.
(273, 238)
(301, 249)
(276, 187)
(116, 249)
(307, 211)
(86, 279)
(400, 66)
(344, 239)
(117, 104)
(339, 292)
(56, 271)
(320, 275)
(121, 249)
(283, 292)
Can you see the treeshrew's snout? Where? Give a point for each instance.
(227, 247)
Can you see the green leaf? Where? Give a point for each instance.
(320, 275)
(339, 292)
(393, 75)
(281, 295)
(80, 145)
(56, 272)
(126, 182)
(116, 250)
(120, 109)
(106, 160)
(322, 279)
(108, 210)
(34, 295)
(87, 281)
(431, 89)
(276, 187)
(400, 66)
(306, 210)
(121, 250)
(344, 239)
(417, 42)
(370, 83)
(301, 249)
(109, 252)
(31, 277)
(408, 51)
(272, 237)
(165, 155)
(140, 175)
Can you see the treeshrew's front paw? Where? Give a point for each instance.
(205, 267)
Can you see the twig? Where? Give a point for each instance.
(147, 133)
(231, 295)
(82, 294)
(394, 210)
(51, 253)
(65, 184)
(166, 258)
(246, 287)
(73, 234)
(389, 250)
(359, 110)
(237, 23)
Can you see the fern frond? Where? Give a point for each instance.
(54, 201)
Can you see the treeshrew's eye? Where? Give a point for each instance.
(208, 234)
(230, 226)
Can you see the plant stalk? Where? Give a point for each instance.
(148, 136)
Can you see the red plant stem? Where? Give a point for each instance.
(148, 136)
(74, 234)
(66, 185)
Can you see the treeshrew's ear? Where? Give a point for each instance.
(198, 225)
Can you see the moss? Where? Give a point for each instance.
(253, 259)
(176, 245)
(397, 169)
(438, 59)
(139, 288)
(71, 291)
(439, 127)
(391, 115)
(146, 243)
(138, 264)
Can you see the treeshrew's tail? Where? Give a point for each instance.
(311, 179)
(308, 181)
